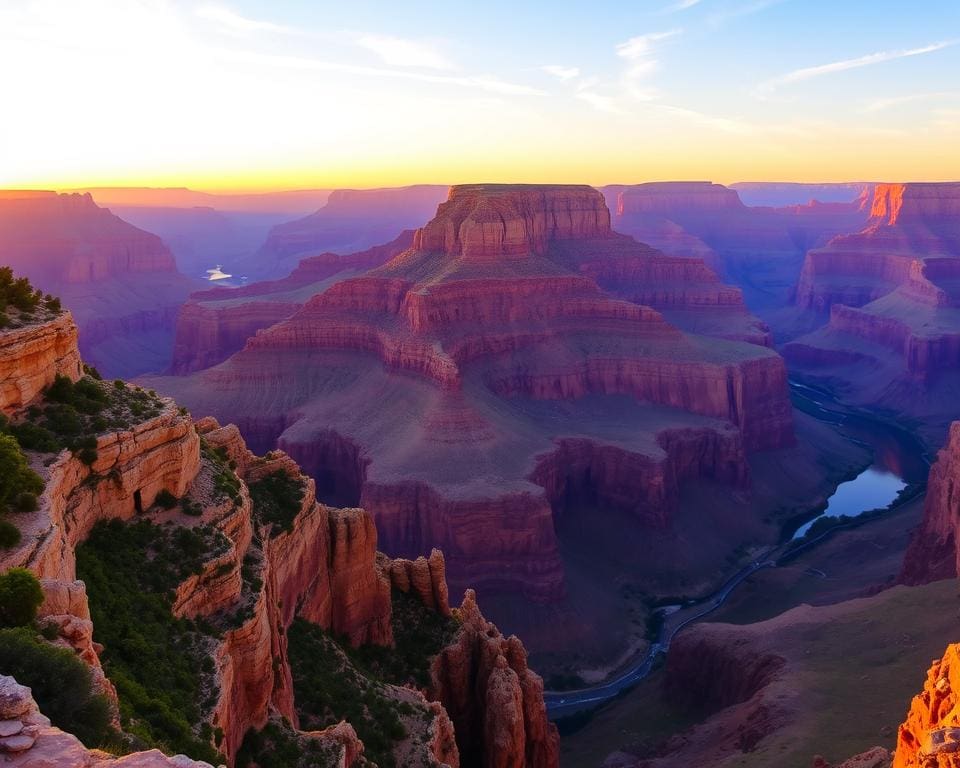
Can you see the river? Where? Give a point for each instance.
(899, 462)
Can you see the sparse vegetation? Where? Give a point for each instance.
(61, 684)
(19, 486)
(160, 665)
(419, 635)
(276, 500)
(225, 480)
(21, 303)
(278, 746)
(73, 413)
(329, 688)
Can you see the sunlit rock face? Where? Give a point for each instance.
(120, 282)
(464, 390)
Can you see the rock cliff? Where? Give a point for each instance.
(891, 294)
(434, 390)
(929, 736)
(31, 357)
(933, 553)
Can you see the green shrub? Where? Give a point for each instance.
(20, 597)
(26, 501)
(277, 499)
(9, 534)
(158, 663)
(16, 477)
(165, 499)
(61, 684)
(17, 292)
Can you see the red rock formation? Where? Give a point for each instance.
(493, 698)
(930, 735)
(214, 324)
(31, 357)
(430, 390)
(892, 287)
(934, 551)
(120, 282)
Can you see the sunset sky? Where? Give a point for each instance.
(287, 94)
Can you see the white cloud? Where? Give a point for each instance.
(233, 23)
(681, 5)
(742, 10)
(808, 73)
(482, 82)
(401, 52)
(642, 45)
(600, 102)
(878, 105)
(560, 72)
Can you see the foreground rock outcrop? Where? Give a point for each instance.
(29, 741)
(447, 391)
(32, 356)
(930, 735)
(120, 283)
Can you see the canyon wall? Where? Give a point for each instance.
(430, 389)
(934, 551)
(31, 357)
(213, 324)
(930, 735)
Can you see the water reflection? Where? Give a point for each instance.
(874, 488)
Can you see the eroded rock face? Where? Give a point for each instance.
(31, 357)
(434, 390)
(933, 553)
(493, 698)
(930, 735)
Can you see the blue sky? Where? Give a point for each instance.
(256, 94)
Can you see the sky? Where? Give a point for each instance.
(244, 95)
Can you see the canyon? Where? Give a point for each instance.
(521, 381)
(886, 301)
(120, 282)
(322, 567)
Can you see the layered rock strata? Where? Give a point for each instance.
(31, 357)
(214, 324)
(443, 390)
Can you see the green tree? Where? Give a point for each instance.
(16, 477)
(61, 684)
(20, 597)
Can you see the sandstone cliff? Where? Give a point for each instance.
(31, 357)
(351, 220)
(933, 553)
(930, 735)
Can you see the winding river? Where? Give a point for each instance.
(900, 462)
